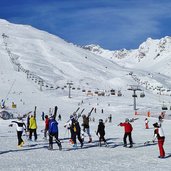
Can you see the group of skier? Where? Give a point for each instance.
(72, 125)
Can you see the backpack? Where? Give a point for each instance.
(53, 126)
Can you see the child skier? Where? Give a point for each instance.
(53, 132)
(101, 132)
(146, 123)
(159, 134)
(128, 132)
(20, 126)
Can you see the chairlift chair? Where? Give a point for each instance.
(142, 95)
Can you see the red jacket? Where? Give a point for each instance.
(47, 123)
(127, 126)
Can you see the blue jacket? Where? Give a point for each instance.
(53, 126)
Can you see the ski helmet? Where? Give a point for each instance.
(100, 120)
(126, 120)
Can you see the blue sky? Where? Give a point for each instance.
(113, 24)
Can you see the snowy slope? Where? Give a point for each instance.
(28, 55)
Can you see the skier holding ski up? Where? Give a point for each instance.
(86, 127)
(53, 130)
(75, 131)
(128, 132)
(20, 126)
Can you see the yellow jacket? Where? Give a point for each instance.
(32, 124)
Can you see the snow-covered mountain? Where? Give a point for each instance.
(53, 61)
(148, 56)
(49, 62)
(35, 68)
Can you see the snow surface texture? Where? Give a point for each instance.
(32, 60)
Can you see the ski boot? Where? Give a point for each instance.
(125, 145)
(130, 146)
(60, 147)
(106, 145)
(90, 140)
(50, 147)
(74, 146)
(82, 145)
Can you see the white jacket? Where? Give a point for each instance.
(20, 125)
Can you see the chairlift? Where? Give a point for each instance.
(134, 95)
(164, 108)
(142, 95)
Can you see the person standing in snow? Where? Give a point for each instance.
(67, 125)
(46, 126)
(101, 132)
(53, 132)
(75, 131)
(20, 127)
(32, 127)
(146, 123)
(86, 126)
(159, 134)
(128, 132)
(160, 121)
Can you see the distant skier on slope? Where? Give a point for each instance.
(53, 132)
(159, 134)
(128, 132)
(146, 123)
(20, 127)
(101, 132)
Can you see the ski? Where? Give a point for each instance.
(133, 119)
(148, 142)
(35, 108)
(79, 115)
(90, 111)
(55, 112)
(25, 115)
(77, 110)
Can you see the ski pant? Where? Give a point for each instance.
(87, 130)
(35, 134)
(129, 136)
(146, 126)
(160, 145)
(75, 135)
(19, 136)
(51, 135)
(102, 138)
(45, 133)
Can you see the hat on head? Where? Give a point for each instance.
(71, 117)
(156, 125)
(19, 117)
(100, 120)
(160, 118)
(126, 120)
